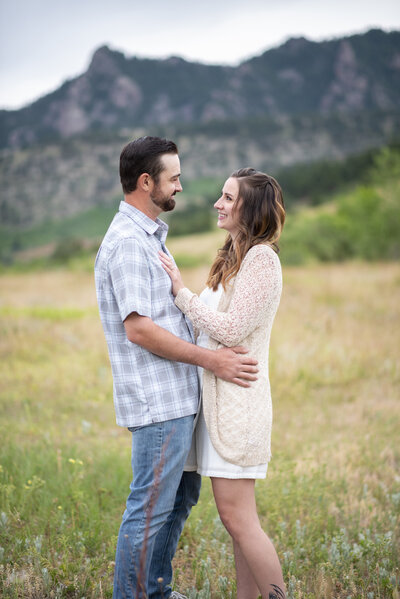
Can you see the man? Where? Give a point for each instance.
(153, 360)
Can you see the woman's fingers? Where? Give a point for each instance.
(164, 258)
(172, 270)
(166, 262)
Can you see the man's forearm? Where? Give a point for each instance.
(144, 332)
(229, 364)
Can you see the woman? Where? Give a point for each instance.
(234, 428)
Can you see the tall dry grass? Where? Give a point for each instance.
(331, 500)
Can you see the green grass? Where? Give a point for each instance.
(331, 500)
(88, 225)
(357, 216)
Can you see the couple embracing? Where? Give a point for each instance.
(190, 373)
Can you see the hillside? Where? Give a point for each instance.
(60, 180)
(336, 211)
(298, 103)
(361, 72)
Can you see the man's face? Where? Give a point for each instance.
(168, 184)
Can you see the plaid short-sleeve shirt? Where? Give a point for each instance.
(129, 278)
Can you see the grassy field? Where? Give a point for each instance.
(331, 501)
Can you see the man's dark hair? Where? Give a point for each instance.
(143, 155)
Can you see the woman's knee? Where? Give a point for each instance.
(236, 506)
(233, 521)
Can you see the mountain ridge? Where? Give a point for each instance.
(359, 72)
(296, 103)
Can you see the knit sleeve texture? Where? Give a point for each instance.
(256, 287)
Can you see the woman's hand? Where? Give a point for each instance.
(170, 267)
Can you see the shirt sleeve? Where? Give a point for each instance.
(258, 285)
(130, 277)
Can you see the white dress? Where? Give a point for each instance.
(203, 457)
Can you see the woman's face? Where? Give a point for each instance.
(227, 220)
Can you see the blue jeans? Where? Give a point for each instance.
(156, 510)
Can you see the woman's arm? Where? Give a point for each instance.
(257, 285)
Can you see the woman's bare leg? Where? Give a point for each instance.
(246, 586)
(236, 505)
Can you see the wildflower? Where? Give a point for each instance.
(35, 483)
(71, 461)
(59, 507)
(79, 462)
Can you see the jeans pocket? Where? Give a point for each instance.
(133, 429)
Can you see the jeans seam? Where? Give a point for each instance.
(142, 522)
(183, 483)
(162, 434)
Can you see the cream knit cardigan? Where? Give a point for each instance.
(239, 420)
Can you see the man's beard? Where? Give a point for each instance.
(165, 203)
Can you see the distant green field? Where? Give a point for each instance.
(335, 211)
(88, 225)
(192, 215)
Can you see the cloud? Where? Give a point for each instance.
(44, 42)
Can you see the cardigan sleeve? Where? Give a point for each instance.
(257, 285)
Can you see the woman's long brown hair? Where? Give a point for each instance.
(260, 213)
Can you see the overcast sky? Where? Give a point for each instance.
(44, 42)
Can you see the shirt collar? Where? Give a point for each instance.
(158, 227)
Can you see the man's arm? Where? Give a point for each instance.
(229, 364)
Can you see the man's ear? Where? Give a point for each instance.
(145, 182)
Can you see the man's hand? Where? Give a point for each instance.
(230, 364)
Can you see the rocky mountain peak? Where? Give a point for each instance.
(358, 72)
(296, 44)
(104, 63)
